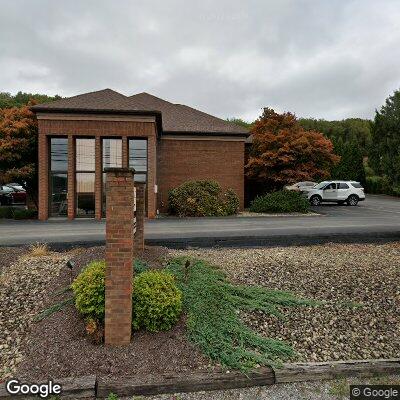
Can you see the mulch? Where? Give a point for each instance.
(58, 345)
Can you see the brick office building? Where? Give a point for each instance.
(167, 144)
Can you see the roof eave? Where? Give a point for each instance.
(157, 114)
(202, 133)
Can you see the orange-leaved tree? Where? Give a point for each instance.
(283, 152)
(18, 148)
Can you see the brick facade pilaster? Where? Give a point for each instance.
(98, 189)
(43, 178)
(138, 247)
(125, 156)
(71, 177)
(119, 255)
(151, 177)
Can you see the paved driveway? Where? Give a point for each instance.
(377, 217)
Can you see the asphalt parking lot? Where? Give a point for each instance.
(375, 206)
(377, 218)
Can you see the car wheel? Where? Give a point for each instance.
(352, 200)
(315, 200)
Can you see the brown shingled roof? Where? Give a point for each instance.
(176, 118)
(181, 118)
(106, 99)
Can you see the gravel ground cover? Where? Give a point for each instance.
(9, 255)
(23, 292)
(358, 284)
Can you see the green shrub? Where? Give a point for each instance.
(214, 306)
(157, 302)
(17, 213)
(378, 185)
(280, 202)
(202, 199)
(140, 266)
(21, 213)
(89, 290)
(232, 202)
(6, 212)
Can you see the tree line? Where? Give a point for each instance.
(368, 150)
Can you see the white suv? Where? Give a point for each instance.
(336, 191)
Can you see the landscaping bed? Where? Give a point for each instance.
(358, 284)
(357, 317)
(58, 347)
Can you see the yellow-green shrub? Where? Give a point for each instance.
(89, 290)
(157, 301)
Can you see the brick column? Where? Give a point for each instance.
(43, 178)
(140, 215)
(98, 180)
(119, 255)
(71, 177)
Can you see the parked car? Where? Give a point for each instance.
(16, 186)
(341, 192)
(6, 197)
(303, 187)
(12, 195)
(18, 195)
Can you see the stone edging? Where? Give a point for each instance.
(91, 387)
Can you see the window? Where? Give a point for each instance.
(58, 176)
(112, 153)
(85, 177)
(112, 158)
(138, 158)
(357, 185)
(331, 186)
(343, 185)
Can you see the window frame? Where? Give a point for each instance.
(146, 174)
(51, 173)
(86, 171)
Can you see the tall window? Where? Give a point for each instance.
(138, 158)
(85, 177)
(58, 176)
(112, 158)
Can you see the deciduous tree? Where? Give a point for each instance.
(18, 148)
(283, 152)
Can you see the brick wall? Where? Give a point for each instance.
(182, 160)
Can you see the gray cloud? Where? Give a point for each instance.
(326, 59)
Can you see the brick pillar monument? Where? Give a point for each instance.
(119, 255)
(138, 246)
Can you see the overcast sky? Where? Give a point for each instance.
(327, 59)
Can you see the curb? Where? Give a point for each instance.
(101, 387)
(244, 241)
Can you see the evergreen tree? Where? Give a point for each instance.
(384, 156)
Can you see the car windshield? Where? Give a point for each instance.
(320, 185)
